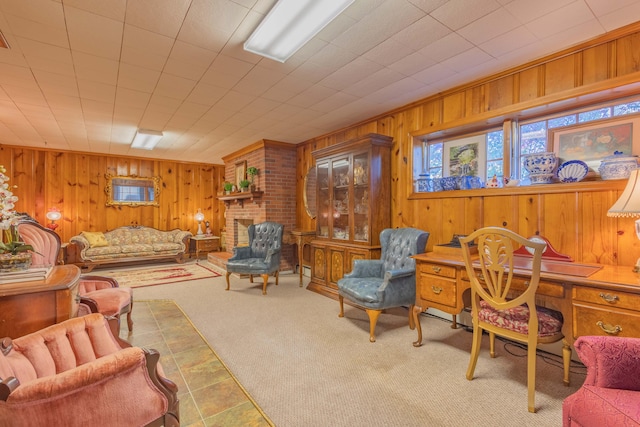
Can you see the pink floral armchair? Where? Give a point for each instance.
(610, 395)
(76, 373)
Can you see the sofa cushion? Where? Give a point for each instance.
(166, 247)
(95, 238)
(136, 248)
(599, 406)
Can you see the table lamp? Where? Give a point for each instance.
(53, 215)
(199, 217)
(628, 205)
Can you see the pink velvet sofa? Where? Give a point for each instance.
(76, 373)
(610, 395)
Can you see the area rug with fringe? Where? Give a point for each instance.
(160, 274)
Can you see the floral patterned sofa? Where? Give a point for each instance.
(129, 244)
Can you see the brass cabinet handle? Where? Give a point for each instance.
(611, 299)
(436, 289)
(609, 329)
(436, 269)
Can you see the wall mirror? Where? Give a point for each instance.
(132, 191)
(309, 192)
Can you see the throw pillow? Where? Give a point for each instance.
(95, 238)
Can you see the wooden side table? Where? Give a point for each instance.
(302, 237)
(204, 244)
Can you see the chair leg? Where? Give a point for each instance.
(251, 278)
(475, 351)
(265, 278)
(412, 324)
(228, 274)
(129, 319)
(531, 377)
(492, 344)
(373, 319)
(341, 300)
(566, 361)
(277, 276)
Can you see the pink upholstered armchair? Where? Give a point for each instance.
(610, 395)
(98, 294)
(76, 373)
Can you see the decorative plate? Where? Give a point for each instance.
(572, 171)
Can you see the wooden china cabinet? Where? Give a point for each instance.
(353, 207)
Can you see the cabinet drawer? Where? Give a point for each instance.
(437, 269)
(520, 284)
(597, 320)
(208, 245)
(435, 289)
(612, 299)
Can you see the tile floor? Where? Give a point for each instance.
(209, 394)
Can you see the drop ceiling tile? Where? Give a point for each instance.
(258, 80)
(428, 5)
(467, 59)
(527, 11)
(560, 19)
(128, 114)
(422, 32)
(137, 78)
(188, 61)
(145, 48)
(174, 86)
(224, 67)
(259, 106)
(350, 74)
(95, 68)
(41, 11)
(312, 96)
(113, 9)
(16, 75)
(508, 42)
(100, 108)
(206, 94)
(333, 57)
(373, 82)
(235, 101)
(35, 49)
(163, 104)
(332, 102)
(450, 45)
(159, 16)
(94, 34)
(56, 84)
(620, 17)
(411, 64)
(132, 98)
(489, 26)
(456, 14)
(210, 24)
(33, 30)
(433, 74)
(97, 91)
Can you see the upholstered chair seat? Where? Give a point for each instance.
(77, 373)
(387, 282)
(261, 257)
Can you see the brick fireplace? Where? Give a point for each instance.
(276, 162)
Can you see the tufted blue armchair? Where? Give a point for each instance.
(262, 256)
(387, 282)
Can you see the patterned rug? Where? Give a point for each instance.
(159, 275)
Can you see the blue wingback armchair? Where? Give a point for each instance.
(262, 256)
(387, 282)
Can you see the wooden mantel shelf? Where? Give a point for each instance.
(240, 197)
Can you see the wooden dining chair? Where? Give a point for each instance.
(493, 308)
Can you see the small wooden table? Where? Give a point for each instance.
(27, 307)
(203, 244)
(302, 237)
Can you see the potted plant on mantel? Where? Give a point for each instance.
(252, 172)
(228, 187)
(244, 185)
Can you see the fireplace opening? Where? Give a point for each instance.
(241, 231)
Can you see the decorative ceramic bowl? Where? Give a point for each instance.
(617, 166)
(449, 183)
(540, 163)
(572, 171)
(541, 178)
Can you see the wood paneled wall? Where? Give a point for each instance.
(75, 183)
(574, 220)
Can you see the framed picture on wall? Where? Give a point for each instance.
(465, 157)
(241, 172)
(591, 142)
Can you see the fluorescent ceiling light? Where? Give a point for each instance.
(290, 24)
(146, 139)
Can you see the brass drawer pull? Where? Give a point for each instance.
(436, 289)
(609, 329)
(436, 269)
(611, 299)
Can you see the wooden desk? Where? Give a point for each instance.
(302, 238)
(30, 306)
(605, 303)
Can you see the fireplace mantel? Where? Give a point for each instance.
(241, 197)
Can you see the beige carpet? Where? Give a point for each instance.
(161, 274)
(305, 366)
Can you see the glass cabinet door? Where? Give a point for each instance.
(323, 200)
(361, 197)
(340, 198)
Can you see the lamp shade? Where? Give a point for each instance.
(628, 205)
(199, 216)
(54, 214)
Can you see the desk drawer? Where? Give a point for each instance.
(597, 320)
(606, 298)
(435, 289)
(520, 284)
(209, 244)
(437, 269)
